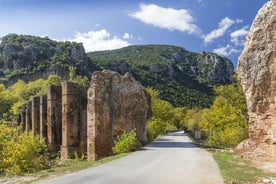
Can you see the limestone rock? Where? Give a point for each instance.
(257, 72)
(78, 53)
(116, 104)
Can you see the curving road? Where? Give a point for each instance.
(171, 159)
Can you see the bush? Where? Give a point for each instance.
(20, 152)
(126, 142)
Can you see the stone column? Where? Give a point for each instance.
(54, 117)
(35, 116)
(23, 119)
(43, 117)
(73, 103)
(28, 117)
(99, 125)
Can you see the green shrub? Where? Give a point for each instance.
(20, 152)
(126, 142)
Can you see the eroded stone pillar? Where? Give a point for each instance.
(74, 102)
(36, 115)
(99, 125)
(23, 119)
(54, 117)
(116, 104)
(43, 117)
(28, 117)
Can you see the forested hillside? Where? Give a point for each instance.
(29, 58)
(183, 78)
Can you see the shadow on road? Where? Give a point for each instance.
(168, 144)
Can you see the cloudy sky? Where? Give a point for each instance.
(218, 26)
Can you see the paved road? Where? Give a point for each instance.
(172, 159)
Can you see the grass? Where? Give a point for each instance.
(237, 170)
(65, 168)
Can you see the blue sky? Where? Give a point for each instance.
(218, 26)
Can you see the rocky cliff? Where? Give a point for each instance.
(257, 72)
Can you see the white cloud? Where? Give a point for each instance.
(166, 18)
(99, 40)
(238, 36)
(127, 36)
(239, 21)
(226, 51)
(140, 39)
(224, 24)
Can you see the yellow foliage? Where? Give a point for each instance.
(162, 116)
(225, 122)
(20, 152)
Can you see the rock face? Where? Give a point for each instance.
(116, 104)
(257, 72)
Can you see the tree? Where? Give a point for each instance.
(226, 122)
(13, 99)
(20, 152)
(178, 119)
(161, 116)
(192, 119)
(6, 101)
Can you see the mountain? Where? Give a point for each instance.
(30, 57)
(184, 78)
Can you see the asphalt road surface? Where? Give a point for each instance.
(172, 159)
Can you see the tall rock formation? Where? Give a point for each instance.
(257, 72)
(116, 104)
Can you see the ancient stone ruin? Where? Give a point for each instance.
(116, 104)
(72, 123)
(257, 72)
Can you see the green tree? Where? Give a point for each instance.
(161, 116)
(192, 119)
(6, 102)
(81, 80)
(226, 122)
(21, 92)
(178, 119)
